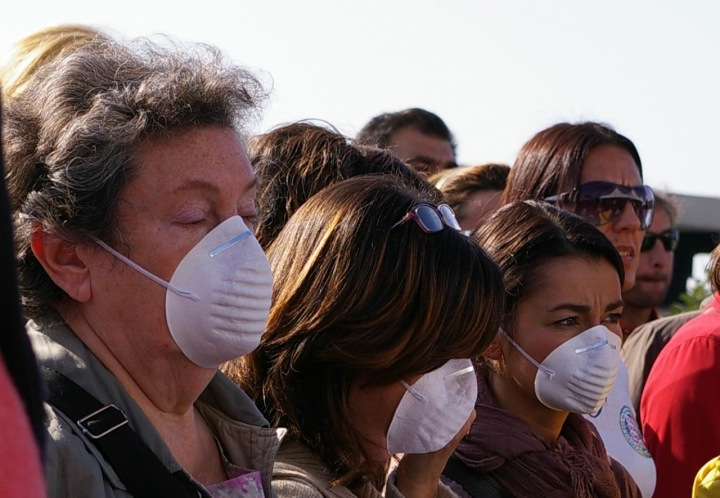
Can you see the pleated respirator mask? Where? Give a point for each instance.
(218, 299)
(434, 409)
(578, 375)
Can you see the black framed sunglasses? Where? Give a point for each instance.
(431, 219)
(669, 239)
(603, 202)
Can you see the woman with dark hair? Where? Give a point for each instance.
(556, 357)
(366, 352)
(680, 403)
(593, 171)
(294, 162)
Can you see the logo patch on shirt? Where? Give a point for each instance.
(631, 431)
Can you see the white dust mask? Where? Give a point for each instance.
(218, 298)
(578, 375)
(433, 409)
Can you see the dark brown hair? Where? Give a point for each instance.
(668, 203)
(70, 136)
(457, 185)
(378, 130)
(357, 299)
(296, 161)
(551, 162)
(522, 236)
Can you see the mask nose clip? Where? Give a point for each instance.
(227, 245)
(593, 346)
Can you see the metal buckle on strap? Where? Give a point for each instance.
(102, 422)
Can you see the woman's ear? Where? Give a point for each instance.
(63, 263)
(494, 351)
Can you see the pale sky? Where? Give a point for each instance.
(496, 71)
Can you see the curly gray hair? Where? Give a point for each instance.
(70, 136)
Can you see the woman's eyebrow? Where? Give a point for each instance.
(615, 305)
(578, 308)
(200, 184)
(197, 184)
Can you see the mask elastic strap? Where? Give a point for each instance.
(550, 373)
(143, 271)
(412, 391)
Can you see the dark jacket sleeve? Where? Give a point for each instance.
(14, 343)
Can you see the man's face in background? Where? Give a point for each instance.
(654, 271)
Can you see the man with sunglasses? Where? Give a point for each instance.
(654, 273)
(645, 334)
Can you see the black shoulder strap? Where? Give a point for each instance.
(476, 484)
(106, 426)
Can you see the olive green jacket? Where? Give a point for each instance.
(74, 467)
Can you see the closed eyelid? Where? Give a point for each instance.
(192, 211)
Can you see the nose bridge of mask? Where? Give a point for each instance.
(600, 336)
(147, 273)
(448, 378)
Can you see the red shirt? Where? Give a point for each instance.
(680, 407)
(20, 469)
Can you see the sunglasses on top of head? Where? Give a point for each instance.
(603, 202)
(431, 219)
(669, 239)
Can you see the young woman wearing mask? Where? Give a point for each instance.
(367, 345)
(593, 171)
(556, 357)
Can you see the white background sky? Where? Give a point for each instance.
(496, 71)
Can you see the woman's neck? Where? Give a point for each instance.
(165, 388)
(160, 382)
(545, 422)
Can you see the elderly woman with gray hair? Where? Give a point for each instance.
(134, 203)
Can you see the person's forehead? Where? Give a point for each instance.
(610, 163)
(561, 280)
(661, 220)
(205, 157)
(409, 143)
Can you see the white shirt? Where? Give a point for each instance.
(617, 424)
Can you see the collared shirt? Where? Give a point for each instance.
(680, 403)
(627, 329)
